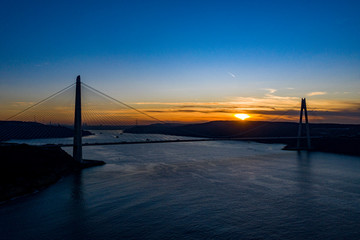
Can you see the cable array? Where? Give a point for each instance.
(54, 116)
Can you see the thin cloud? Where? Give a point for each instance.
(192, 111)
(271, 90)
(316, 93)
(180, 103)
(232, 75)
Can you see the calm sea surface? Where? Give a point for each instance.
(199, 190)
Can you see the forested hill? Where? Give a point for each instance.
(247, 129)
(32, 130)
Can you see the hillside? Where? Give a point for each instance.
(32, 130)
(234, 129)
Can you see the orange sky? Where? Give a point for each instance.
(269, 107)
(217, 60)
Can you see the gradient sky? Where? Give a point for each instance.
(187, 60)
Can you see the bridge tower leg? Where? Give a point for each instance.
(77, 149)
(303, 110)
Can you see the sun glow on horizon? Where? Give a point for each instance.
(242, 116)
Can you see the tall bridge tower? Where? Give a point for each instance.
(77, 148)
(303, 110)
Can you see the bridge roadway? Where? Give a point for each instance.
(187, 140)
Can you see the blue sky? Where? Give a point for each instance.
(183, 51)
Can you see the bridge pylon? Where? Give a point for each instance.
(303, 111)
(77, 147)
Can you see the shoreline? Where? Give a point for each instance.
(26, 169)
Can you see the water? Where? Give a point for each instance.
(199, 190)
(104, 136)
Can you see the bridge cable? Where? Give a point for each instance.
(104, 94)
(36, 104)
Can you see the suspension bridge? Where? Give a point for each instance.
(107, 119)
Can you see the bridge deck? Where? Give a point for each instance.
(187, 140)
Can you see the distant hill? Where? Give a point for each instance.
(218, 129)
(32, 130)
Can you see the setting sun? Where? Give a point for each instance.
(242, 116)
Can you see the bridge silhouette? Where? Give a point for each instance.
(78, 123)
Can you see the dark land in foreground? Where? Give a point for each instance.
(26, 169)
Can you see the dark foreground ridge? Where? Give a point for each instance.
(26, 169)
